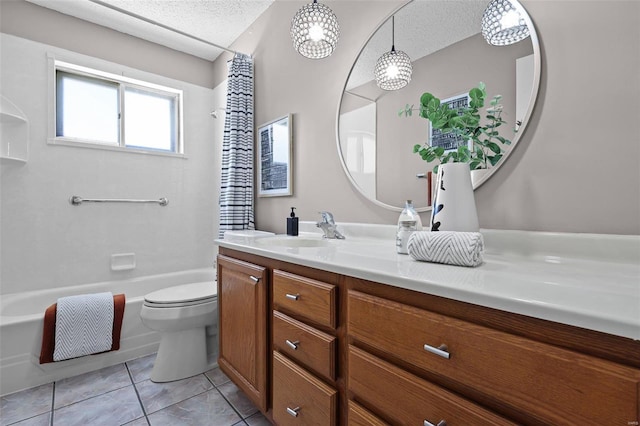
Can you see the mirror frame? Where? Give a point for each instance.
(537, 65)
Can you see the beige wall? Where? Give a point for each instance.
(576, 169)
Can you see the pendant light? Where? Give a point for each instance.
(393, 69)
(315, 31)
(503, 24)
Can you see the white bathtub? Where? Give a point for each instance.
(21, 322)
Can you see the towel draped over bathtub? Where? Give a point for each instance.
(82, 325)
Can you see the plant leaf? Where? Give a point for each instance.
(426, 98)
(494, 160)
(494, 147)
(475, 164)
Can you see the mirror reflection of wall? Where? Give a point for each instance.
(446, 70)
(358, 146)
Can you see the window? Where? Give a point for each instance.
(99, 109)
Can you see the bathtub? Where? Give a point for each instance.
(21, 322)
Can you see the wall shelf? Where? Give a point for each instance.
(14, 133)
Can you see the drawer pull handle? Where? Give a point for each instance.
(440, 423)
(293, 296)
(255, 279)
(293, 345)
(441, 350)
(293, 411)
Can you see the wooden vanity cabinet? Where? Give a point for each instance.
(243, 331)
(311, 347)
(299, 397)
(406, 399)
(304, 350)
(416, 351)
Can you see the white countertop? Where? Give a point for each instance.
(586, 280)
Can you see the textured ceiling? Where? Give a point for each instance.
(421, 28)
(217, 21)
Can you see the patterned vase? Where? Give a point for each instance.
(454, 208)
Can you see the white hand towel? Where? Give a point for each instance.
(452, 248)
(84, 325)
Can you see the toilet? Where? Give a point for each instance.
(186, 316)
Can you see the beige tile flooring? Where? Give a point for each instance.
(124, 395)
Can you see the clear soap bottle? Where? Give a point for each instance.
(408, 222)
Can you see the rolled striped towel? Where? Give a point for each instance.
(452, 248)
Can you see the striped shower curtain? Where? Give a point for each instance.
(236, 192)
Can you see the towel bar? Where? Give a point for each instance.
(76, 201)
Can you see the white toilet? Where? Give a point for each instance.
(184, 315)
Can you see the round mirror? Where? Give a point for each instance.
(449, 57)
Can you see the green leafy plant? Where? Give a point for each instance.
(466, 122)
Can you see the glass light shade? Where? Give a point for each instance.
(393, 70)
(502, 24)
(315, 31)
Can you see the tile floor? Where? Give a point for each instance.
(124, 395)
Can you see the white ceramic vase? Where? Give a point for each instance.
(454, 208)
(478, 175)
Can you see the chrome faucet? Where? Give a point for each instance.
(329, 227)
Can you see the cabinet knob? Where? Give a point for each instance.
(292, 296)
(441, 350)
(255, 279)
(293, 345)
(294, 411)
(440, 423)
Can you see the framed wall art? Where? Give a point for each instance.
(275, 158)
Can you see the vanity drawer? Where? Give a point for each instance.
(306, 345)
(299, 398)
(360, 416)
(549, 384)
(302, 296)
(406, 399)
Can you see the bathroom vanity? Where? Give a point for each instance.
(320, 332)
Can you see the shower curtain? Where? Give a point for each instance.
(236, 192)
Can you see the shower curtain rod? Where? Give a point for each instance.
(166, 27)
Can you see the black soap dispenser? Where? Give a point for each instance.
(292, 223)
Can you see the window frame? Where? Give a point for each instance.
(122, 84)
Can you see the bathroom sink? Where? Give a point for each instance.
(289, 241)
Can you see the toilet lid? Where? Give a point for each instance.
(195, 292)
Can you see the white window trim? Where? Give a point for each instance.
(55, 64)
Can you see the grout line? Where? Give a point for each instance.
(210, 380)
(53, 402)
(135, 389)
(183, 400)
(230, 404)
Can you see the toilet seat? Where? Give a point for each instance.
(182, 295)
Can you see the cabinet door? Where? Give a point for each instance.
(409, 400)
(306, 345)
(242, 304)
(539, 382)
(299, 398)
(311, 299)
(360, 416)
